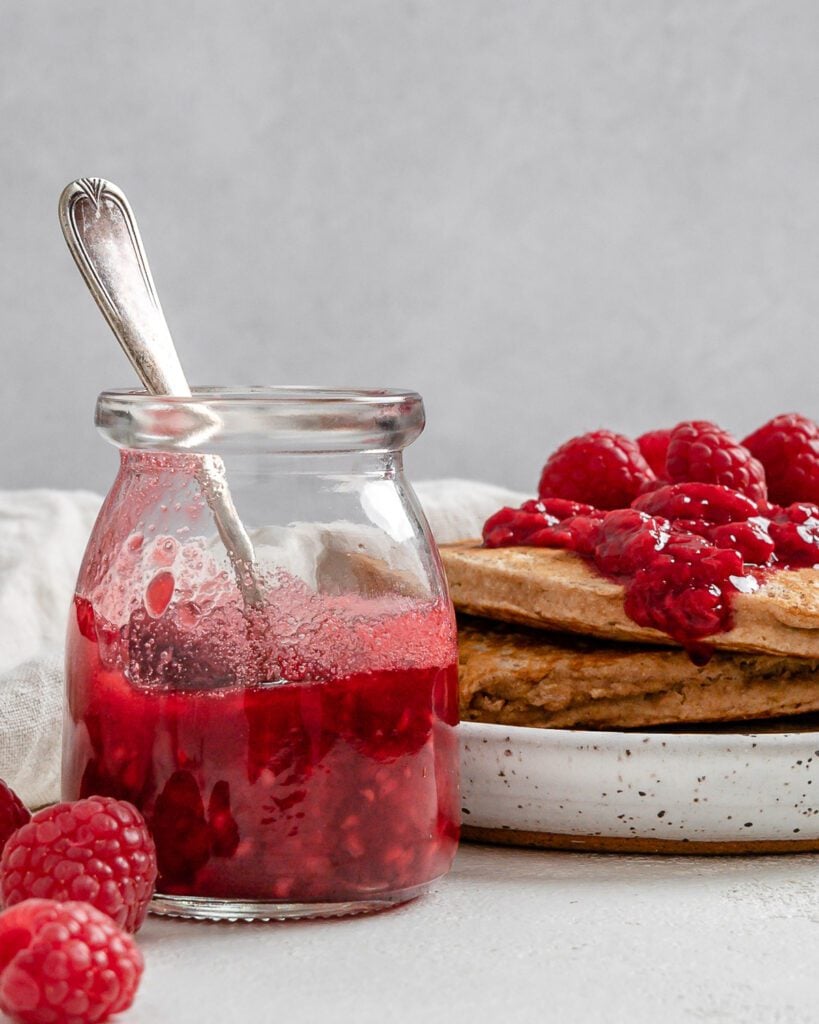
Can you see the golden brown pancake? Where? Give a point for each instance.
(519, 676)
(559, 590)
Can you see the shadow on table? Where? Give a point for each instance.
(518, 866)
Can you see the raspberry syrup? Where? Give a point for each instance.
(266, 770)
(681, 552)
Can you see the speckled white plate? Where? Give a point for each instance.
(698, 791)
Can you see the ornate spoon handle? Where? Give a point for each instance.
(102, 235)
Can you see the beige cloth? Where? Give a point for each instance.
(42, 539)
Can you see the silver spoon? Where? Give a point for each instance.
(101, 232)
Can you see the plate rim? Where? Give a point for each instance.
(611, 737)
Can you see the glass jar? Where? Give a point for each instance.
(285, 721)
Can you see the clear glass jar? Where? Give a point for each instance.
(294, 752)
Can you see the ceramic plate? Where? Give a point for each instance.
(715, 791)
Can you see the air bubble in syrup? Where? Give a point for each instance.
(164, 551)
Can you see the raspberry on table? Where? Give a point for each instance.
(654, 447)
(97, 850)
(699, 451)
(602, 468)
(13, 813)
(788, 448)
(65, 963)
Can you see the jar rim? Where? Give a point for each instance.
(226, 393)
(295, 418)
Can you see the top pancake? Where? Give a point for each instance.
(557, 589)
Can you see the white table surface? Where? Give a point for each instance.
(516, 935)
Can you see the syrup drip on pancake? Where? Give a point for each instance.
(680, 551)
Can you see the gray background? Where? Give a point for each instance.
(545, 216)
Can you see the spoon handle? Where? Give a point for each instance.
(102, 235)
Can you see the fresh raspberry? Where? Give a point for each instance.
(654, 446)
(700, 451)
(65, 963)
(13, 813)
(603, 469)
(788, 448)
(97, 850)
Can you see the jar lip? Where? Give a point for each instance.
(283, 419)
(225, 394)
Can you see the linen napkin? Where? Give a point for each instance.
(43, 534)
(42, 538)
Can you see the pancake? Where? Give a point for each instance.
(558, 590)
(519, 676)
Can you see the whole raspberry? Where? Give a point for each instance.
(13, 813)
(699, 451)
(65, 963)
(97, 850)
(601, 469)
(654, 446)
(788, 448)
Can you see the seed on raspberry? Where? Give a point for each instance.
(13, 813)
(603, 469)
(654, 447)
(96, 850)
(65, 963)
(788, 448)
(700, 451)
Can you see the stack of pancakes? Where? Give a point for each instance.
(544, 641)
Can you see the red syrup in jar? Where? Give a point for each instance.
(681, 552)
(324, 788)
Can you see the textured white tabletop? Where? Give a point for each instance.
(515, 935)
